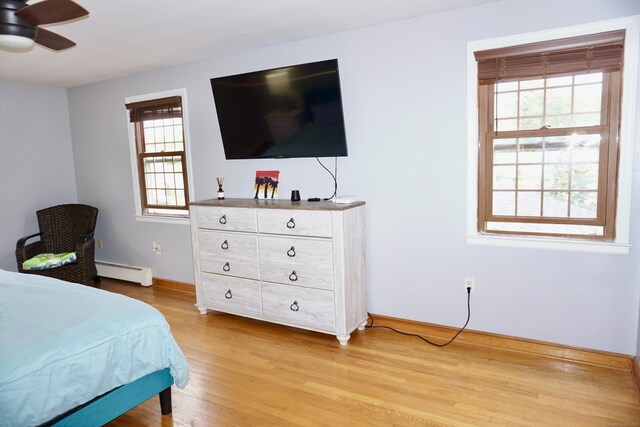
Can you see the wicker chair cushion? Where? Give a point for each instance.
(47, 261)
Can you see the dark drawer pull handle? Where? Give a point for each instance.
(223, 219)
(228, 295)
(226, 267)
(291, 223)
(293, 276)
(225, 245)
(291, 252)
(294, 306)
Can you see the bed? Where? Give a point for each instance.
(71, 354)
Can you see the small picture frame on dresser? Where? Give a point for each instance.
(265, 185)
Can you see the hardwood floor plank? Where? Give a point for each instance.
(245, 372)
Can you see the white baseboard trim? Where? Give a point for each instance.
(129, 273)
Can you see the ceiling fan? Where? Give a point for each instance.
(20, 23)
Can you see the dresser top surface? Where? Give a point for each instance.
(277, 204)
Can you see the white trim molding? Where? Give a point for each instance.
(621, 244)
(159, 219)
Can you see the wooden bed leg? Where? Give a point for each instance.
(165, 401)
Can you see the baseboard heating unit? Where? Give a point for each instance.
(129, 273)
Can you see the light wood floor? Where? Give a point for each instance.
(251, 373)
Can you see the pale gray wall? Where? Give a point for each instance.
(406, 126)
(37, 164)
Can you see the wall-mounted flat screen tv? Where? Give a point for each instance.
(293, 111)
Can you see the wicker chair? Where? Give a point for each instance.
(64, 228)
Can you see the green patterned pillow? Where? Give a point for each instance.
(47, 261)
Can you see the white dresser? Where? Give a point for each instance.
(300, 264)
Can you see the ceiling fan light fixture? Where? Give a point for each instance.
(13, 42)
(20, 23)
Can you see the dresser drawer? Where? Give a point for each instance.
(296, 251)
(237, 267)
(219, 218)
(295, 306)
(308, 276)
(221, 244)
(295, 222)
(231, 294)
(300, 262)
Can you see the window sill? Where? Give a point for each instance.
(550, 244)
(163, 219)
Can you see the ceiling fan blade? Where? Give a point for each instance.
(51, 11)
(52, 40)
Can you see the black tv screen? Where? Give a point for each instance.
(293, 111)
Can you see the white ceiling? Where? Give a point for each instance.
(123, 37)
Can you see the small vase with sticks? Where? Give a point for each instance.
(220, 190)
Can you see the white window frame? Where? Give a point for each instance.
(166, 219)
(621, 243)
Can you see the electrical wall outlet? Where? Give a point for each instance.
(99, 243)
(156, 248)
(469, 282)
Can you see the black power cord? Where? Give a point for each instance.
(334, 176)
(371, 325)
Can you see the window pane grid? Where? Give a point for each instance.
(163, 135)
(546, 176)
(164, 181)
(163, 175)
(555, 102)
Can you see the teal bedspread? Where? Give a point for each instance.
(63, 344)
